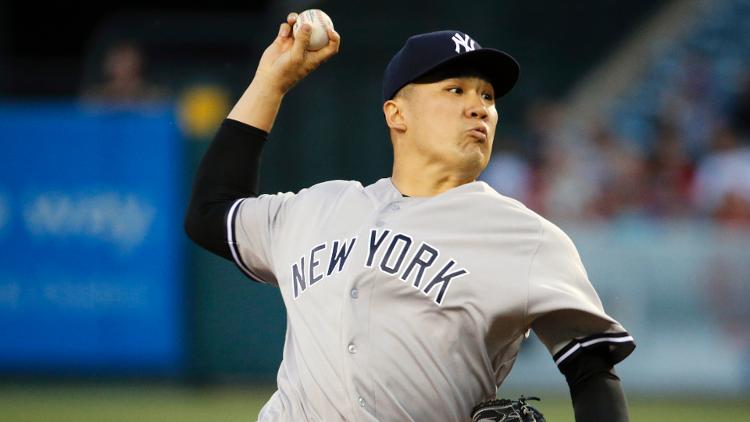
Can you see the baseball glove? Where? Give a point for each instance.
(504, 410)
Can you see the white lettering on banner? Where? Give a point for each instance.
(94, 294)
(466, 42)
(62, 290)
(123, 220)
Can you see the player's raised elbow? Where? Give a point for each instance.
(194, 225)
(191, 225)
(205, 227)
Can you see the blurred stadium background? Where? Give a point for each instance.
(630, 128)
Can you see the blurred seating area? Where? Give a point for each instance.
(675, 146)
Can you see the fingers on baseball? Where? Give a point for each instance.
(334, 40)
(291, 18)
(285, 30)
(301, 41)
(315, 58)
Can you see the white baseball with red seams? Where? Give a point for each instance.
(320, 22)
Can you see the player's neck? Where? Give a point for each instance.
(425, 182)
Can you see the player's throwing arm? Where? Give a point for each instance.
(285, 62)
(230, 168)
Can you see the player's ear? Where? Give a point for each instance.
(394, 115)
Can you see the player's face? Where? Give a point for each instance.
(452, 121)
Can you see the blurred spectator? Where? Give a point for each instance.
(691, 105)
(543, 120)
(541, 147)
(600, 178)
(507, 172)
(568, 180)
(622, 178)
(123, 79)
(670, 174)
(722, 188)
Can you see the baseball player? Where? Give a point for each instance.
(407, 299)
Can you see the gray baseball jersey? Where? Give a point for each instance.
(406, 308)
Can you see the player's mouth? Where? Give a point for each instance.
(478, 132)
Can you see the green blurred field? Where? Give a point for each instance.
(144, 403)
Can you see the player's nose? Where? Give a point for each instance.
(477, 106)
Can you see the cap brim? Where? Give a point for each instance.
(500, 67)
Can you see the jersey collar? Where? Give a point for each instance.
(385, 191)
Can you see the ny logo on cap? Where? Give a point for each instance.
(466, 42)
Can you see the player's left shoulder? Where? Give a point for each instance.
(549, 232)
(501, 206)
(490, 197)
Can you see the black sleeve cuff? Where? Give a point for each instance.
(614, 346)
(247, 129)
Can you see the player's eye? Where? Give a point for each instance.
(488, 96)
(456, 90)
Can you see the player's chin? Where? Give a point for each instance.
(474, 160)
(477, 149)
(482, 143)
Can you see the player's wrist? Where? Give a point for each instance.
(259, 105)
(266, 87)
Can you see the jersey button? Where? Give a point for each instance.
(379, 223)
(361, 402)
(395, 207)
(352, 348)
(355, 293)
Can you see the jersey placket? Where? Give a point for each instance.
(356, 337)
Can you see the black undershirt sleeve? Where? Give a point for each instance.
(228, 171)
(595, 389)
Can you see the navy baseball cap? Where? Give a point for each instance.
(424, 53)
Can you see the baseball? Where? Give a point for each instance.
(320, 22)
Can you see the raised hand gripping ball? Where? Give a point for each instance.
(319, 22)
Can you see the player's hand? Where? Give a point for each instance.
(286, 61)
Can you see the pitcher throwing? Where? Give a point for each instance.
(408, 299)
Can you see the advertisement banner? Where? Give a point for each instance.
(90, 239)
